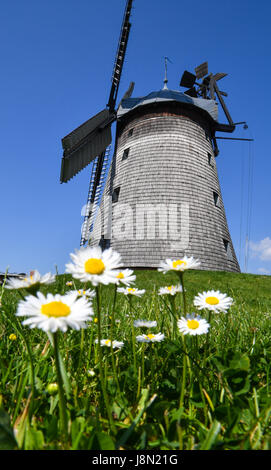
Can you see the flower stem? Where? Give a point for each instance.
(174, 314)
(133, 336)
(100, 358)
(112, 338)
(184, 375)
(207, 345)
(81, 348)
(143, 365)
(62, 400)
(90, 346)
(113, 314)
(183, 291)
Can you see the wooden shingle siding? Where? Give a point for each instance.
(167, 168)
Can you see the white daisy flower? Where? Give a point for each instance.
(107, 342)
(55, 312)
(86, 293)
(125, 276)
(131, 291)
(150, 338)
(213, 300)
(94, 265)
(178, 264)
(170, 290)
(91, 373)
(193, 325)
(29, 281)
(145, 324)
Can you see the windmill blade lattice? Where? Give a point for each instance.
(97, 180)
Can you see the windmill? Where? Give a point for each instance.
(161, 198)
(90, 142)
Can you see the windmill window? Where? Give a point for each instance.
(125, 153)
(130, 132)
(216, 198)
(227, 248)
(104, 243)
(115, 195)
(226, 245)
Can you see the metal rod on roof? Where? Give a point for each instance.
(233, 138)
(165, 79)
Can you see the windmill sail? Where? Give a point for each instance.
(122, 46)
(97, 179)
(91, 141)
(101, 162)
(85, 143)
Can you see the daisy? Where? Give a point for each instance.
(29, 281)
(213, 300)
(107, 342)
(91, 373)
(55, 312)
(178, 264)
(150, 338)
(171, 290)
(144, 324)
(193, 325)
(125, 276)
(86, 293)
(94, 265)
(131, 291)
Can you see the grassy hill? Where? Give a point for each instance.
(206, 392)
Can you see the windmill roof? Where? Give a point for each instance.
(128, 104)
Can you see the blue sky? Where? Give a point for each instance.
(56, 64)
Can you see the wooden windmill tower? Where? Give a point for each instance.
(161, 198)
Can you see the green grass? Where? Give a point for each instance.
(213, 393)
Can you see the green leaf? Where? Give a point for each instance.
(64, 374)
(77, 430)
(238, 381)
(229, 415)
(7, 439)
(240, 361)
(34, 439)
(158, 409)
(101, 441)
(142, 406)
(211, 437)
(52, 427)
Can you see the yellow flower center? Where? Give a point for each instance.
(107, 342)
(170, 288)
(55, 309)
(120, 276)
(192, 324)
(131, 289)
(212, 300)
(150, 336)
(94, 266)
(80, 292)
(179, 262)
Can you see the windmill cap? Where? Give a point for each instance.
(129, 104)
